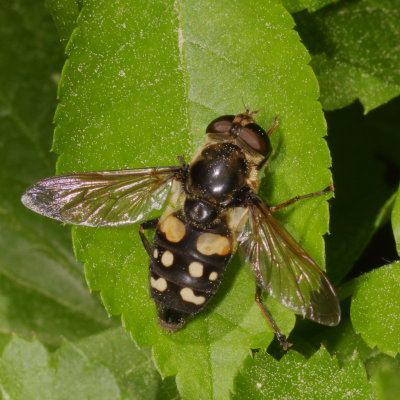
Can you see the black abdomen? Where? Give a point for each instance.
(186, 268)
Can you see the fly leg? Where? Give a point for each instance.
(330, 188)
(150, 224)
(279, 335)
(273, 127)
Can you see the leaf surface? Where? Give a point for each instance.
(341, 341)
(294, 6)
(365, 165)
(396, 221)
(384, 372)
(132, 368)
(375, 309)
(64, 14)
(42, 288)
(139, 88)
(356, 55)
(104, 366)
(294, 377)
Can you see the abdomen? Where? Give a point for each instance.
(186, 268)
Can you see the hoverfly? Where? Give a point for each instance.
(213, 208)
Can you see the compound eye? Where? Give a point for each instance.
(221, 124)
(256, 138)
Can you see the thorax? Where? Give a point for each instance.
(217, 173)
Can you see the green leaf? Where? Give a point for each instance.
(384, 372)
(76, 376)
(64, 13)
(356, 55)
(29, 312)
(294, 6)
(344, 342)
(42, 288)
(103, 366)
(4, 340)
(132, 368)
(375, 309)
(294, 377)
(365, 157)
(25, 372)
(139, 88)
(396, 221)
(341, 340)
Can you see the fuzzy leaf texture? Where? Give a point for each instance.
(396, 221)
(295, 377)
(64, 14)
(294, 6)
(42, 287)
(139, 88)
(103, 366)
(356, 55)
(375, 309)
(384, 372)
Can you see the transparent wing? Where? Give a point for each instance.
(285, 270)
(104, 198)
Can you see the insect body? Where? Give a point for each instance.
(213, 209)
(193, 245)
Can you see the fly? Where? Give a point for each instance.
(212, 210)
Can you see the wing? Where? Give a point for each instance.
(285, 270)
(101, 198)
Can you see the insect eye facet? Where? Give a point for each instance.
(221, 124)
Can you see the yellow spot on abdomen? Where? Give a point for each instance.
(188, 295)
(211, 243)
(173, 228)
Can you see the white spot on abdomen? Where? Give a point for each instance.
(160, 284)
(167, 259)
(213, 276)
(188, 295)
(211, 243)
(196, 269)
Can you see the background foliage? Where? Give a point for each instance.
(137, 87)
